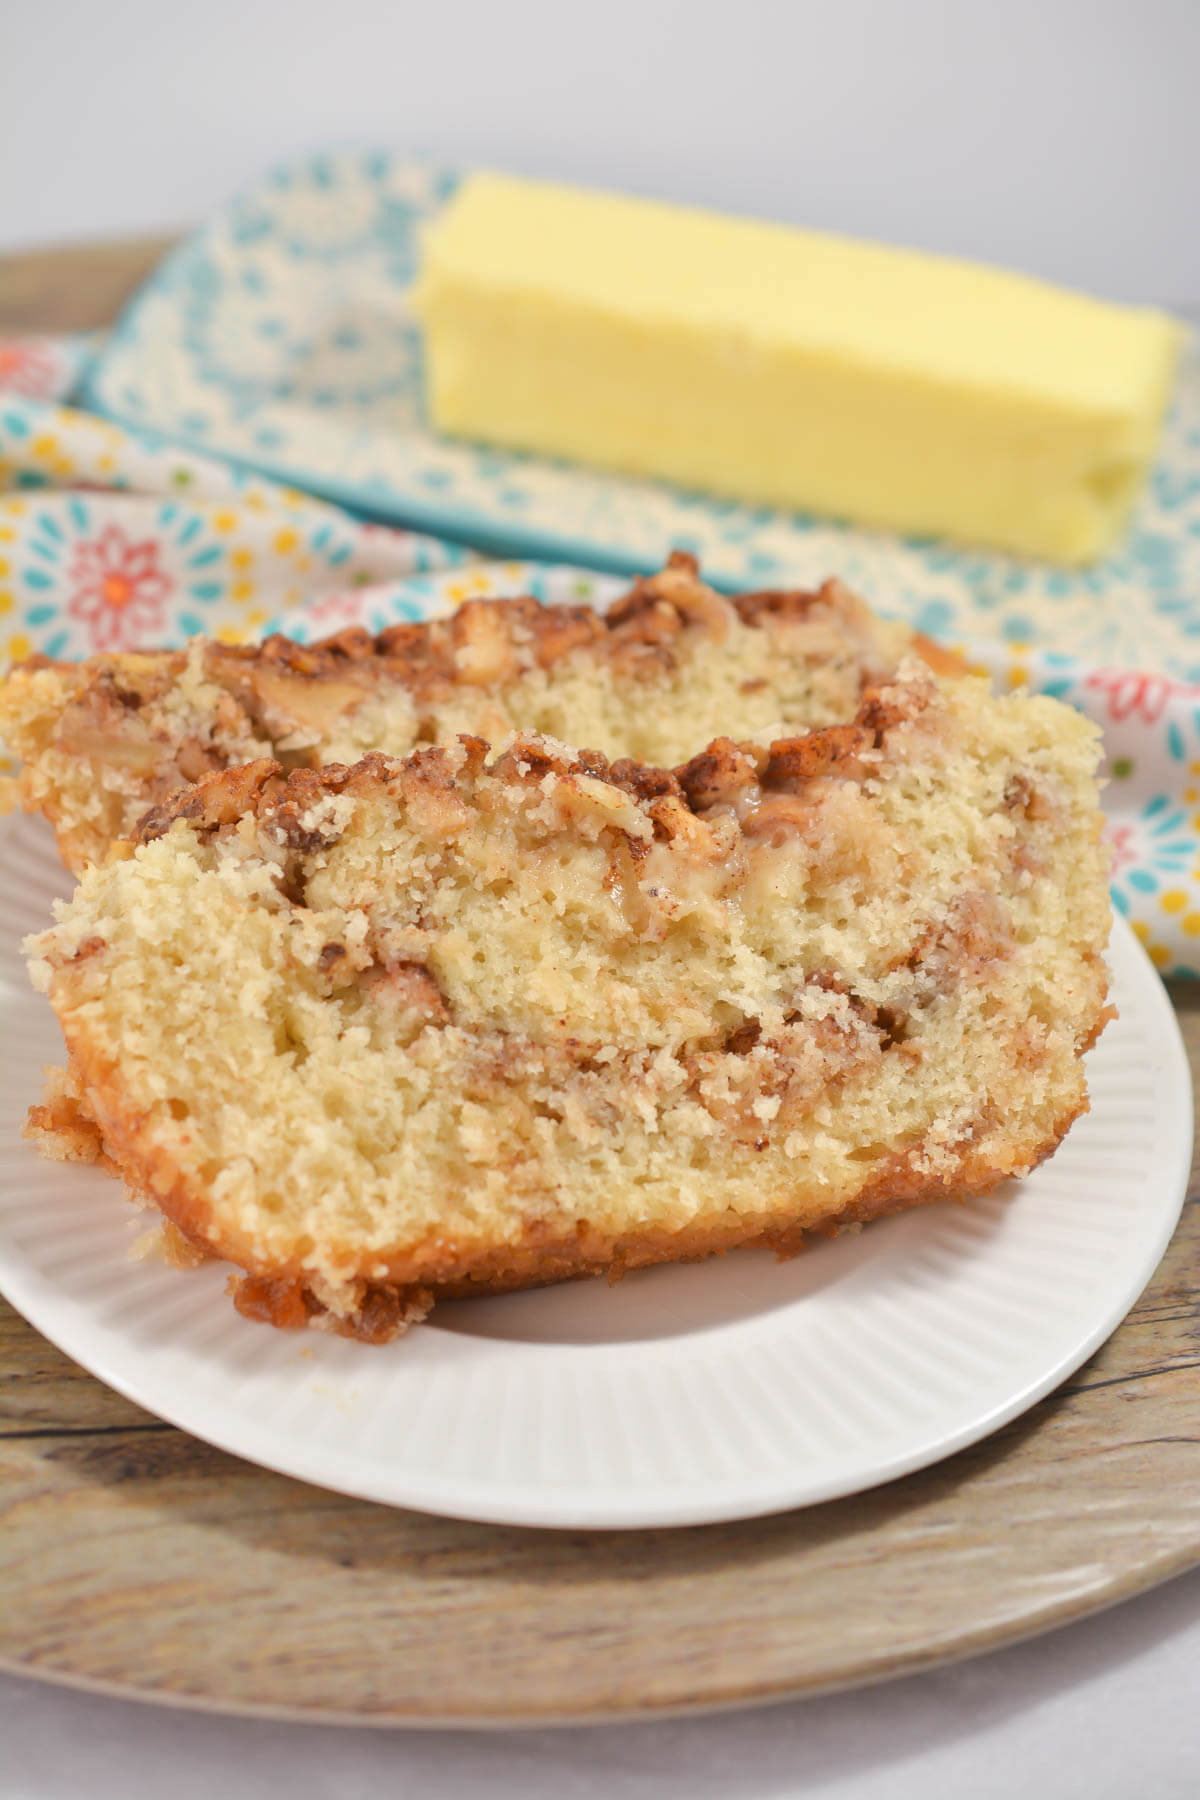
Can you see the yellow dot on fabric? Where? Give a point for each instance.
(255, 502)
(1196, 821)
(241, 559)
(224, 521)
(294, 497)
(7, 534)
(231, 634)
(256, 618)
(1018, 677)
(45, 445)
(1194, 768)
(1141, 930)
(6, 603)
(3, 566)
(19, 647)
(1190, 796)
(106, 463)
(286, 540)
(1174, 900)
(1190, 923)
(1158, 956)
(1018, 647)
(241, 590)
(62, 465)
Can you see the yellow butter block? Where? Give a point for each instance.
(791, 368)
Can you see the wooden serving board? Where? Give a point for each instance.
(137, 1560)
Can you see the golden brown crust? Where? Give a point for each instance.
(487, 641)
(939, 657)
(422, 1276)
(383, 1314)
(60, 1125)
(443, 1269)
(479, 642)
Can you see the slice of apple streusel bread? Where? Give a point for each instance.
(670, 666)
(449, 1025)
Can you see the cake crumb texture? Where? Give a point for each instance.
(476, 1019)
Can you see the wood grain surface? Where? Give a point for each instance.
(75, 288)
(137, 1560)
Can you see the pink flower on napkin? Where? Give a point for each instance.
(346, 606)
(28, 366)
(1129, 693)
(1123, 847)
(119, 589)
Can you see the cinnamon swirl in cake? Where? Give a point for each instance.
(670, 666)
(470, 1020)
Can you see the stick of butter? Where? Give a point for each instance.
(790, 368)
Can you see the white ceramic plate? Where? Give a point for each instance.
(682, 1396)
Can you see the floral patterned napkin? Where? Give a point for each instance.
(112, 538)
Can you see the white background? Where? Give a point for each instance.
(1060, 136)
